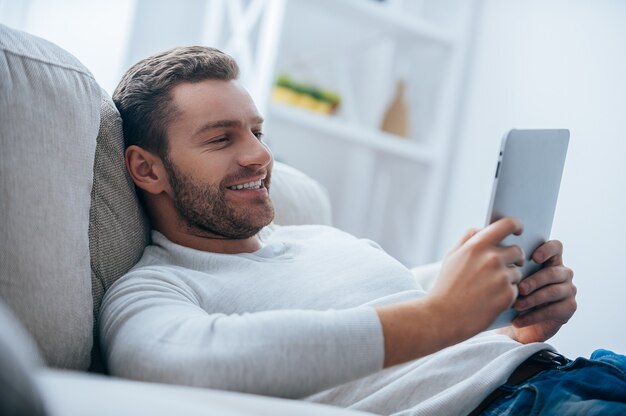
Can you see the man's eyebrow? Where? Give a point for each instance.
(221, 124)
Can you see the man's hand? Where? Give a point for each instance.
(547, 298)
(477, 281)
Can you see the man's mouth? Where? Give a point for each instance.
(247, 185)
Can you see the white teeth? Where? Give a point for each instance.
(249, 185)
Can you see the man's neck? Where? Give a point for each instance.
(209, 243)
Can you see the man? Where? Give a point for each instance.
(220, 300)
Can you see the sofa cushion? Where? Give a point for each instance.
(297, 198)
(49, 117)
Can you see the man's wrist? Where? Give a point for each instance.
(415, 329)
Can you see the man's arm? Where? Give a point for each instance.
(153, 329)
(477, 281)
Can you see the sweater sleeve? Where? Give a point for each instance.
(156, 331)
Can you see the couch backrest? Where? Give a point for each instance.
(49, 117)
(70, 222)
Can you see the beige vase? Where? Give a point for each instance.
(396, 120)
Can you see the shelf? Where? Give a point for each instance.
(335, 127)
(360, 49)
(372, 14)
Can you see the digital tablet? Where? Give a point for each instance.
(526, 186)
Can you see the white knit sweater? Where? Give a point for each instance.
(294, 319)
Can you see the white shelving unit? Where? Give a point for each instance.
(383, 187)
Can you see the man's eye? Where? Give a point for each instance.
(259, 135)
(219, 140)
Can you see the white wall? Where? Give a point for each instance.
(543, 64)
(96, 32)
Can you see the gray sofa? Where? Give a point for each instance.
(70, 225)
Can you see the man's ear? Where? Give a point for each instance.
(146, 170)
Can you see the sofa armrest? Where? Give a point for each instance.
(75, 393)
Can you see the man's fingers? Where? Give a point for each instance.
(515, 294)
(513, 255)
(548, 294)
(544, 277)
(495, 232)
(551, 252)
(468, 234)
(558, 312)
(515, 275)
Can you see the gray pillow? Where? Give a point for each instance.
(118, 228)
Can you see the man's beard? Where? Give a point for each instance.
(204, 210)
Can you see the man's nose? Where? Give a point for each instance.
(256, 152)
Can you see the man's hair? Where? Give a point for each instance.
(143, 95)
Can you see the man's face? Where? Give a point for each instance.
(219, 169)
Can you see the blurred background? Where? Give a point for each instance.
(398, 108)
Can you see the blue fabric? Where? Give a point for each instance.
(595, 386)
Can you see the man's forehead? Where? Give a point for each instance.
(211, 104)
(208, 90)
(220, 99)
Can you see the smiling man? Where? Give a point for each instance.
(199, 190)
(221, 300)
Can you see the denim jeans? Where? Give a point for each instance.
(595, 386)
